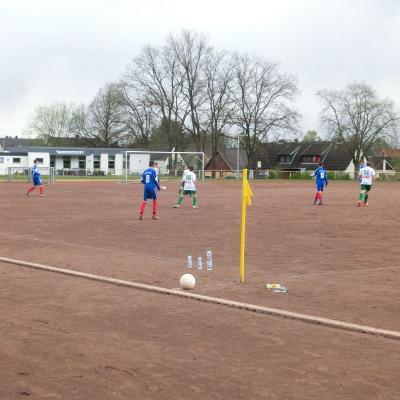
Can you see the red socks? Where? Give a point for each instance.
(318, 196)
(154, 207)
(142, 207)
(41, 190)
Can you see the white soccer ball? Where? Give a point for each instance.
(187, 281)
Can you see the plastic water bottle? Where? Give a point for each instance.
(199, 263)
(209, 260)
(189, 262)
(281, 289)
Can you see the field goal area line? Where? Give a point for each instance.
(215, 300)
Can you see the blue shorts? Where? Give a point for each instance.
(320, 186)
(150, 193)
(37, 181)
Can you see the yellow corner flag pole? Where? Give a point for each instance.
(246, 201)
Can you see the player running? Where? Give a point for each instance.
(151, 185)
(189, 187)
(366, 177)
(321, 180)
(37, 180)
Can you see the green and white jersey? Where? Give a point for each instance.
(366, 175)
(189, 180)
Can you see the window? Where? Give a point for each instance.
(111, 162)
(82, 162)
(311, 159)
(16, 160)
(1, 160)
(67, 162)
(52, 161)
(284, 158)
(96, 162)
(40, 160)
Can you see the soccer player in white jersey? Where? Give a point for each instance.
(189, 187)
(157, 168)
(366, 177)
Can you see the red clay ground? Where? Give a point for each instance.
(65, 338)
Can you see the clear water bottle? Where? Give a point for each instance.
(209, 260)
(189, 262)
(281, 289)
(199, 263)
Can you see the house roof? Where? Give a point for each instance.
(377, 162)
(390, 153)
(192, 159)
(230, 156)
(227, 160)
(335, 156)
(12, 142)
(13, 153)
(338, 157)
(316, 148)
(270, 155)
(287, 149)
(218, 163)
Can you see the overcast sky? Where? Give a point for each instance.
(58, 50)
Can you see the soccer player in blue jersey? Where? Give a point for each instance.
(37, 180)
(321, 180)
(151, 185)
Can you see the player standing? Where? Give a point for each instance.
(321, 180)
(37, 180)
(157, 168)
(151, 185)
(189, 187)
(366, 177)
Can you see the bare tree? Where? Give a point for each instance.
(154, 78)
(52, 123)
(218, 71)
(357, 117)
(262, 97)
(101, 123)
(138, 117)
(192, 50)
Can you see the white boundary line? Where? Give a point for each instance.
(249, 307)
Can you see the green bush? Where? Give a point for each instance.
(339, 175)
(297, 175)
(300, 175)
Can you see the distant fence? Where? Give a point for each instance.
(15, 174)
(51, 174)
(296, 175)
(274, 174)
(388, 176)
(84, 172)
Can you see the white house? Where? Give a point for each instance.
(73, 160)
